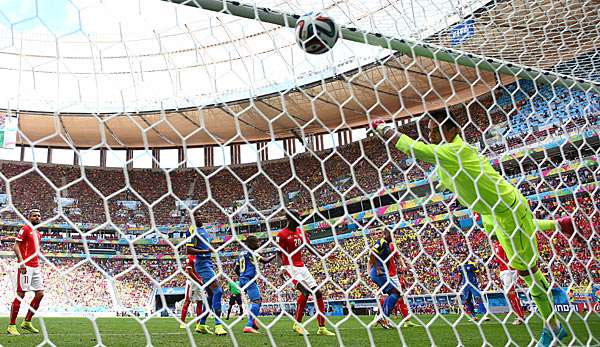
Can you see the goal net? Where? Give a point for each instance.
(171, 146)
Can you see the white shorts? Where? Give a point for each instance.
(395, 281)
(193, 291)
(300, 275)
(509, 279)
(31, 281)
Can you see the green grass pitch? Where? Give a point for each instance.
(165, 332)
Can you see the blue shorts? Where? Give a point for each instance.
(251, 288)
(387, 286)
(469, 291)
(205, 271)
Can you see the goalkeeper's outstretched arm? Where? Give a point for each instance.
(419, 150)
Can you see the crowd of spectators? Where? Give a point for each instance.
(142, 197)
(76, 284)
(430, 249)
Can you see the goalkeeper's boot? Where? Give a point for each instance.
(250, 330)
(12, 330)
(485, 318)
(29, 327)
(203, 329)
(182, 325)
(409, 324)
(473, 319)
(299, 329)
(548, 337)
(323, 331)
(219, 330)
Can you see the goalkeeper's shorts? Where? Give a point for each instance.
(515, 230)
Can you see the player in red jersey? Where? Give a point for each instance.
(401, 307)
(509, 278)
(193, 291)
(29, 275)
(291, 241)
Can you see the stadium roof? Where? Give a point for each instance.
(131, 74)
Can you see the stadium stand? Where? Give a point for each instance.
(428, 230)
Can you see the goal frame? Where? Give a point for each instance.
(405, 46)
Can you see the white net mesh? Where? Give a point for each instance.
(142, 123)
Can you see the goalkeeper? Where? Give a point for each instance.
(504, 210)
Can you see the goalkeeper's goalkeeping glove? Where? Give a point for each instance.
(380, 127)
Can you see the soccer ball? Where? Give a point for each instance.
(316, 33)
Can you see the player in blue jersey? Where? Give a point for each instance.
(199, 245)
(383, 271)
(469, 290)
(245, 268)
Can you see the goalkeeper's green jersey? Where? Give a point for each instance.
(466, 173)
(234, 288)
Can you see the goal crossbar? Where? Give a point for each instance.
(406, 46)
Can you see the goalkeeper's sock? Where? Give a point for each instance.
(538, 287)
(254, 312)
(389, 304)
(229, 311)
(216, 304)
(14, 311)
(321, 311)
(300, 307)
